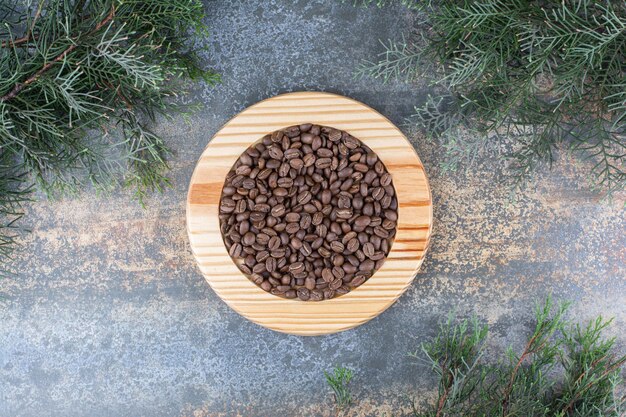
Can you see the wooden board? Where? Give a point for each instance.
(294, 316)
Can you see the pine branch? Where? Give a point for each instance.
(529, 384)
(82, 81)
(59, 58)
(338, 381)
(552, 69)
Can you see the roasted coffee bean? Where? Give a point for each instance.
(316, 295)
(324, 253)
(381, 232)
(338, 272)
(308, 212)
(235, 250)
(344, 289)
(322, 163)
(248, 238)
(366, 266)
(309, 283)
(306, 249)
(296, 267)
(353, 245)
(337, 246)
(344, 213)
(270, 264)
(303, 293)
(362, 222)
(327, 275)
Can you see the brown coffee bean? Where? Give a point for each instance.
(366, 266)
(368, 249)
(336, 246)
(353, 245)
(292, 153)
(235, 250)
(304, 197)
(327, 275)
(334, 135)
(324, 253)
(248, 239)
(344, 213)
(305, 221)
(358, 280)
(273, 243)
(303, 294)
(338, 272)
(335, 284)
(309, 283)
(362, 222)
(322, 163)
(296, 164)
(381, 232)
(306, 249)
(316, 295)
(296, 267)
(361, 168)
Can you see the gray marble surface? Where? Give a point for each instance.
(108, 314)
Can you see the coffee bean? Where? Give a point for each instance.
(316, 295)
(353, 245)
(381, 232)
(235, 250)
(327, 275)
(323, 252)
(368, 249)
(306, 249)
(303, 293)
(296, 267)
(304, 197)
(358, 280)
(361, 168)
(322, 163)
(366, 266)
(344, 213)
(335, 284)
(337, 246)
(309, 283)
(338, 272)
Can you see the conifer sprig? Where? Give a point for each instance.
(564, 369)
(534, 77)
(80, 84)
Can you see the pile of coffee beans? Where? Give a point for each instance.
(308, 212)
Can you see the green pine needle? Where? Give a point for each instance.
(338, 381)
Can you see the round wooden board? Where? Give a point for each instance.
(294, 316)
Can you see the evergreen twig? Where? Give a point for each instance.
(338, 381)
(80, 83)
(538, 76)
(564, 370)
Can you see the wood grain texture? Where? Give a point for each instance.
(294, 316)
